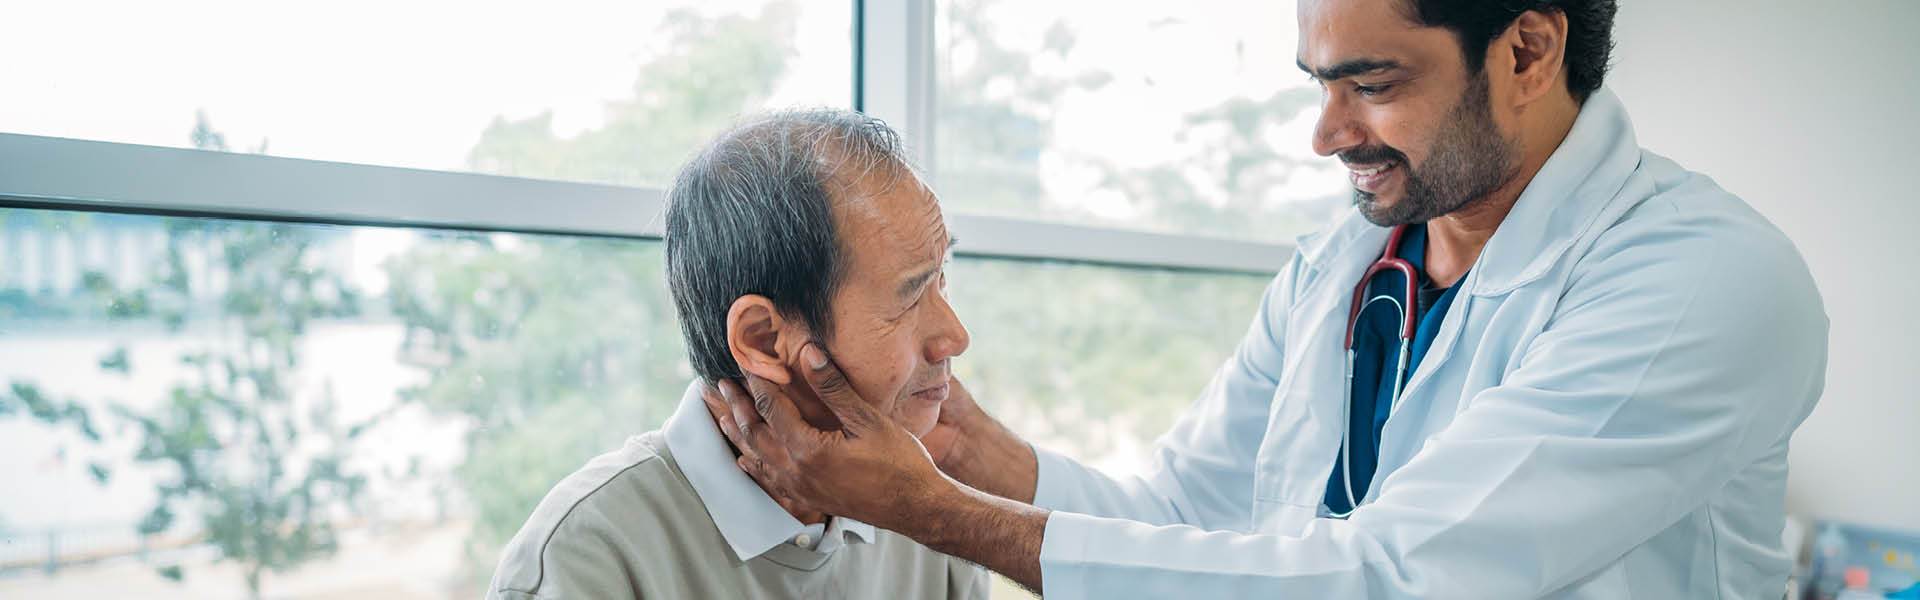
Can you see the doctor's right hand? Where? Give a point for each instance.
(971, 446)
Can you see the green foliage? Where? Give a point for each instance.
(1221, 175)
(116, 362)
(259, 467)
(719, 68)
(1231, 183)
(995, 114)
(1088, 354)
(256, 465)
(553, 349)
(28, 397)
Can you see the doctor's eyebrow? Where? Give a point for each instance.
(912, 284)
(1345, 69)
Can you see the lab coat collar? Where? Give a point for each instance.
(749, 519)
(1582, 177)
(1579, 179)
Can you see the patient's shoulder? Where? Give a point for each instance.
(600, 515)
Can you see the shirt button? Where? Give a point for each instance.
(803, 540)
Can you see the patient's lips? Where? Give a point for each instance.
(933, 394)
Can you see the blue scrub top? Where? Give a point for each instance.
(1376, 347)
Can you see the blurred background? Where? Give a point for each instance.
(197, 406)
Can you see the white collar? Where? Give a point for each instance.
(1581, 181)
(749, 519)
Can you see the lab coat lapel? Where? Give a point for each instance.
(1557, 209)
(1305, 426)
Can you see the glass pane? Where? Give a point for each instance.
(402, 398)
(608, 92)
(1185, 117)
(1102, 361)
(377, 410)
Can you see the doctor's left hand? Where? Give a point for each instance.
(870, 469)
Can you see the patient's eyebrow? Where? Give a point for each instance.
(1349, 68)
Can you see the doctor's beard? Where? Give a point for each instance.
(1467, 162)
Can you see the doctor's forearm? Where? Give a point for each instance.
(1000, 534)
(996, 461)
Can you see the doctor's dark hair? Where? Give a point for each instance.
(751, 214)
(1475, 23)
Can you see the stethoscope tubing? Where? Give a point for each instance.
(1389, 261)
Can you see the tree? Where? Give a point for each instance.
(263, 472)
(555, 348)
(257, 465)
(1126, 348)
(720, 68)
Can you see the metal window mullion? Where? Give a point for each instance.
(58, 173)
(52, 172)
(896, 54)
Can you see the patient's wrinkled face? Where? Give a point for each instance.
(892, 332)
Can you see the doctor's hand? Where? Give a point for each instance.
(973, 447)
(869, 469)
(873, 470)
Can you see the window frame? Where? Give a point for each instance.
(893, 61)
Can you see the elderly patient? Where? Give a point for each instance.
(793, 227)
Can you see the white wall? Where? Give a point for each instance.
(1811, 112)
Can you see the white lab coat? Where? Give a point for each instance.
(1604, 414)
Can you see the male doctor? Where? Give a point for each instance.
(1607, 357)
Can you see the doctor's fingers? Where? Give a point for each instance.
(761, 456)
(772, 403)
(773, 470)
(831, 385)
(719, 407)
(740, 408)
(760, 453)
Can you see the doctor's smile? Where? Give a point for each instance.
(1369, 179)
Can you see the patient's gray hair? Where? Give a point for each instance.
(752, 214)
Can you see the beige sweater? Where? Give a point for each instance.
(628, 525)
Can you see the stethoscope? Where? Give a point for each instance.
(1389, 260)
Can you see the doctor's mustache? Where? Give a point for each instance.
(1367, 155)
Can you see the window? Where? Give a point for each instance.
(1185, 117)
(398, 364)
(1103, 361)
(394, 389)
(581, 91)
(402, 396)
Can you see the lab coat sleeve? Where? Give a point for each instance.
(1676, 357)
(1202, 470)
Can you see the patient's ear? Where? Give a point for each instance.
(760, 338)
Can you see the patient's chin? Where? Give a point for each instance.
(917, 418)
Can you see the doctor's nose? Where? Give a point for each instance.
(1336, 131)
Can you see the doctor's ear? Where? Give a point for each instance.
(1535, 46)
(761, 339)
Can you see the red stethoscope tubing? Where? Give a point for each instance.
(1389, 260)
